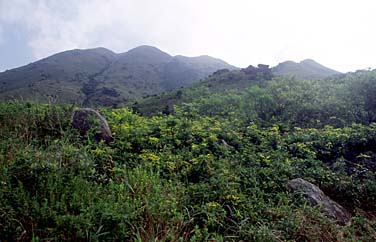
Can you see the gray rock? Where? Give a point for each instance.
(224, 144)
(85, 119)
(315, 196)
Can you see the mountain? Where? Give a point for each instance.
(306, 69)
(59, 76)
(221, 82)
(99, 76)
(187, 69)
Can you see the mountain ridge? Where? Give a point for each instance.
(99, 76)
(305, 69)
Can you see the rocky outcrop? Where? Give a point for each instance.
(316, 197)
(261, 71)
(86, 119)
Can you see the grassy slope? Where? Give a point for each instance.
(220, 82)
(172, 178)
(99, 77)
(169, 178)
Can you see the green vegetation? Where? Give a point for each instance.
(215, 169)
(100, 77)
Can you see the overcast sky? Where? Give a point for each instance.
(337, 33)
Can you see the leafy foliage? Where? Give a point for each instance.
(214, 170)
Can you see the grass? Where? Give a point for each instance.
(168, 178)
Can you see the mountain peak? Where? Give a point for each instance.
(306, 69)
(310, 61)
(99, 76)
(145, 48)
(98, 50)
(150, 47)
(146, 52)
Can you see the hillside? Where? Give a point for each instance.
(100, 77)
(306, 69)
(287, 98)
(220, 82)
(60, 76)
(223, 82)
(217, 168)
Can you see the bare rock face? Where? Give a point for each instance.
(85, 119)
(315, 196)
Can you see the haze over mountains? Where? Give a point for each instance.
(306, 69)
(100, 77)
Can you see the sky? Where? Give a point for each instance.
(339, 34)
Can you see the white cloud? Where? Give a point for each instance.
(13, 11)
(336, 33)
(1, 35)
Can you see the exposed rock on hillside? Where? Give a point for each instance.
(86, 119)
(261, 71)
(315, 196)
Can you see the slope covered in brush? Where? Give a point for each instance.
(99, 77)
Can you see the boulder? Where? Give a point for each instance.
(223, 143)
(316, 197)
(85, 119)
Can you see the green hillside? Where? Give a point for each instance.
(220, 82)
(215, 169)
(100, 77)
(59, 77)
